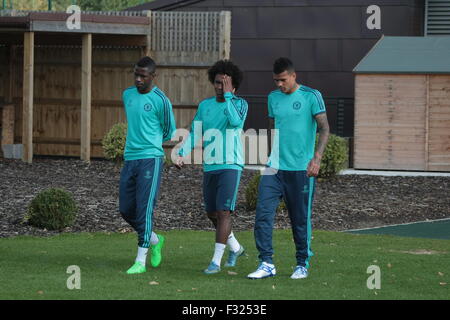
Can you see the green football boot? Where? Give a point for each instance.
(156, 255)
(137, 267)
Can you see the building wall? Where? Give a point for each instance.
(390, 112)
(402, 122)
(324, 38)
(438, 138)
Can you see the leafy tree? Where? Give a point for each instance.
(27, 4)
(108, 5)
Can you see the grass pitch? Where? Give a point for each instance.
(36, 268)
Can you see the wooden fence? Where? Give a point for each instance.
(189, 37)
(183, 44)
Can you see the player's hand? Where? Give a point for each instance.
(179, 162)
(314, 166)
(227, 84)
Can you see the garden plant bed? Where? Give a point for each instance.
(345, 202)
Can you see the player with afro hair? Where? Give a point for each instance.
(223, 117)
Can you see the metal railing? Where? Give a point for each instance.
(185, 31)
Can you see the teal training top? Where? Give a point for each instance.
(150, 123)
(220, 124)
(295, 135)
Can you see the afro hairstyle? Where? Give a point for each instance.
(229, 68)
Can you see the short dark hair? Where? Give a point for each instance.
(283, 64)
(226, 67)
(147, 62)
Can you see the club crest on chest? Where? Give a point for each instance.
(297, 105)
(147, 107)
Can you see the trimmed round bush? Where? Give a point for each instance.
(52, 209)
(113, 142)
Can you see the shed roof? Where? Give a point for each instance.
(407, 55)
(107, 28)
(105, 23)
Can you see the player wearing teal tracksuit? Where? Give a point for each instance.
(219, 122)
(292, 150)
(297, 111)
(221, 126)
(150, 122)
(295, 127)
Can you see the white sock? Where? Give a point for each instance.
(142, 255)
(154, 239)
(233, 243)
(218, 253)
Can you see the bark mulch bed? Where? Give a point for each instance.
(345, 202)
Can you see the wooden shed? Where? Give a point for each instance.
(402, 105)
(60, 88)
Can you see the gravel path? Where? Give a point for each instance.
(346, 202)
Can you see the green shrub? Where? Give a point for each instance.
(251, 194)
(168, 161)
(334, 158)
(53, 209)
(113, 142)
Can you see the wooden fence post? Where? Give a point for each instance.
(225, 35)
(86, 79)
(28, 83)
(148, 48)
